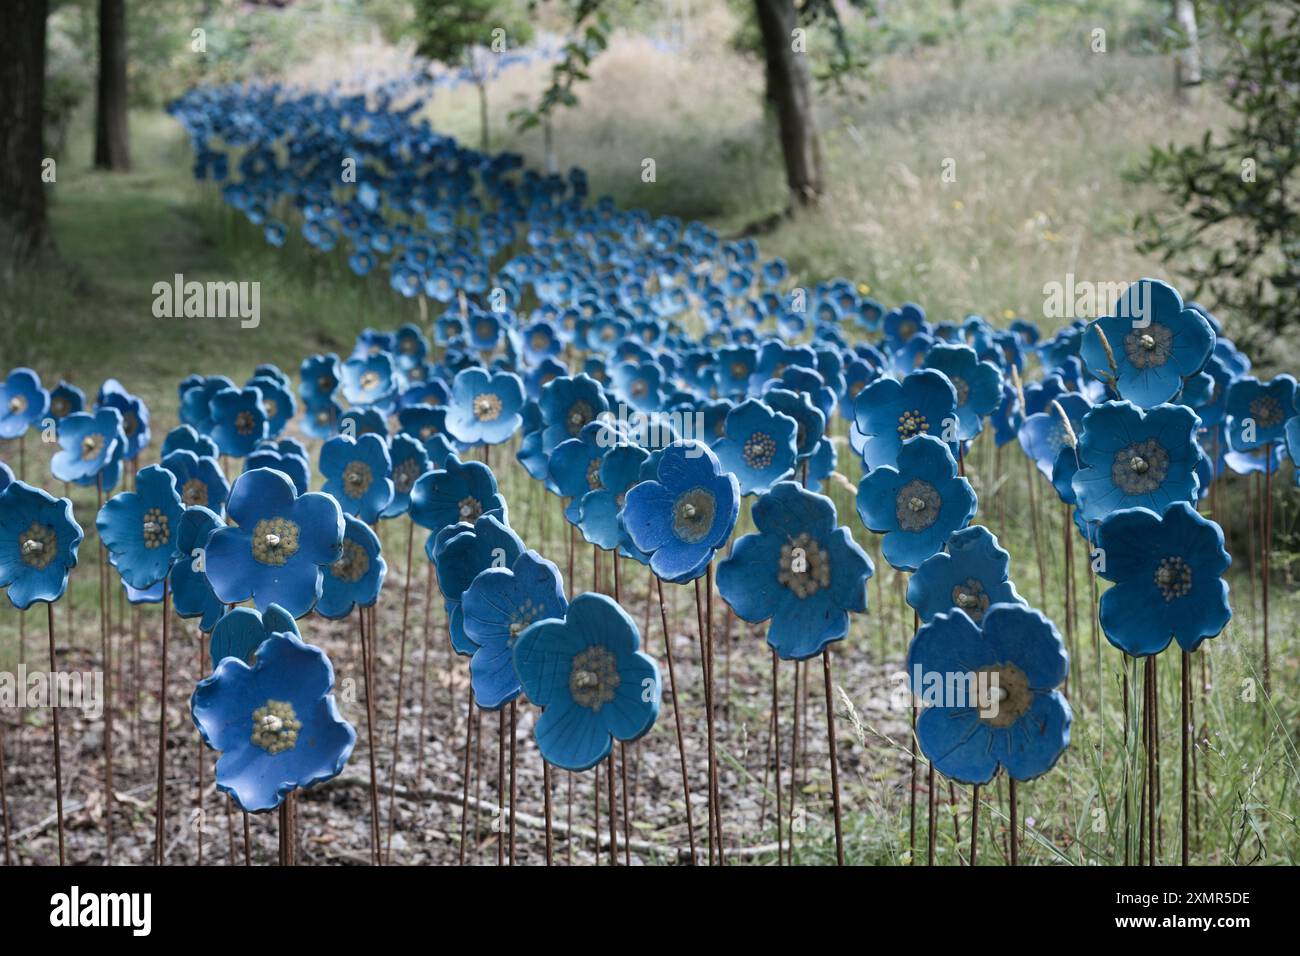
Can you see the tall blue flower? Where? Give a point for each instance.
(320, 376)
(66, 398)
(970, 575)
(916, 505)
(978, 385)
(1021, 723)
(567, 405)
(591, 680)
(460, 552)
(357, 474)
(410, 460)
(196, 401)
(268, 455)
(497, 607)
(139, 528)
(276, 724)
(187, 438)
(23, 402)
(357, 576)
(91, 447)
(685, 515)
(242, 630)
(810, 419)
(278, 402)
(370, 380)
(600, 511)
(192, 594)
(39, 539)
(461, 491)
(1043, 434)
(574, 467)
(485, 407)
(759, 446)
(1168, 575)
(277, 550)
(238, 420)
(1151, 346)
(801, 571)
(887, 413)
(1129, 458)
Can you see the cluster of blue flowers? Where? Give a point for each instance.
(649, 372)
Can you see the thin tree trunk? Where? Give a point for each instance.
(22, 96)
(790, 85)
(112, 149)
(1187, 60)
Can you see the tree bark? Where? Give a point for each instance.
(112, 150)
(790, 86)
(22, 150)
(1187, 60)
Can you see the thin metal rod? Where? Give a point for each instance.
(370, 738)
(397, 717)
(834, 757)
(677, 719)
(160, 809)
(58, 759)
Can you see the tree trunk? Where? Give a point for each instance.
(790, 84)
(1187, 60)
(112, 150)
(22, 96)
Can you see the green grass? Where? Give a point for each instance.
(1041, 133)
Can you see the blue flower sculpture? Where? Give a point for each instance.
(355, 579)
(460, 552)
(1168, 575)
(916, 505)
(1020, 723)
(459, 492)
(682, 518)
(591, 680)
(759, 446)
(1151, 347)
(243, 630)
(357, 473)
(91, 447)
(192, 593)
(887, 413)
(1130, 458)
(39, 539)
(801, 571)
(498, 606)
(485, 407)
(970, 575)
(139, 528)
(23, 402)
(276, 724)
(279, 546)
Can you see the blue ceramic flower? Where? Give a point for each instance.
(241, 631)
(459, 553)
(238, 420)
(356, 473)
(320, 376)
(268, 455)
(199, 481)
(278, 402)
(497, 607)
(810, 419)
(410, 460)
(1021, 723)
(279, 546)
(66, 398)
(186, 438)
(370, 380)
(591, 680)
(801, 571)
(1168, 576)
(1257, 412)
(970, 575)
(1155, 344)
(485, 407)
(1043, 434)
(91, 448)
(685, 515)
(38, 544)
(458, 492)
(276, 724)
(357, 577)
(139, 528)
(887, 413)
(135, 416)
(23, 402)
(917, 505)
(196, 399)
(600, 511)
(1129, 458)
(192, 593)
(978, 385)
(758, 447)
(574, 467)
(567, 405)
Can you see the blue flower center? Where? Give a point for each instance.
(1173, 578)
(245, 423)
(18, 404)
(38, 545)
(352, 563)
(970, 597)
(1008, 694)
(805, 566)
(693, 513)
(275, 727)
(275, 541)
(1149, 347)
(759, 450)
(487, 407)
(357, 479)
(156, 528)
(911, 424)
(917, 505)
(194, 492)
(593, 677)
(1267, 411)
(1140, 468)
